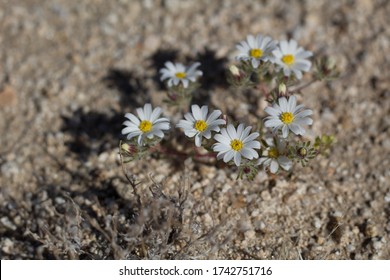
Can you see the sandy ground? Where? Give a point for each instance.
(70, 70)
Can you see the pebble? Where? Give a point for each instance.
(7, 223)
(7, 246)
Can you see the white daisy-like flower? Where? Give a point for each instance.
(176, 73)
(235, 144)
(286, 115)
(200, 125)
(292, 59)
(274, 156)
(147, 124)
(256, 49)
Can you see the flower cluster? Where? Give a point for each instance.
(262, 61)
(285, 55)
(181, 81)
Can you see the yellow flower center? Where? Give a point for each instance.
(236, 144)
(200, 125)
(288, 59)
(302, 152)
(180, 75)
(273, 153)
(256, 53)
(287, 117)
(145, 126)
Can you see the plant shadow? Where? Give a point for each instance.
(92, 132)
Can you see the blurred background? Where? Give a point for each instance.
(70, 70)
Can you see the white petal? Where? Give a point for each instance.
(158, 133)
(185, 83)
(274, 166)
(303, 65)
(217, 123)
(198, 140)
(128, 129)
(133, 118)
(141, 113)
(140, 139)
(262, 160)
(196, 112)
(302, 54)
(272, 111)
(277, 53)
(237, 158)
(297, 109)
(213, 116)
(285, 162)
(170, 66)
(204, 110)
(251, 41)
(283, 104)
(297, 129)
(222, 139)
(251, 137)
(228, 156)
(176, 80)
(160, 120)
(185, 124)
(245, 133)
(249, 153)
(240, 130)
(162, 126)
(190, 71)
(189, 117)
(285, 131)
(165, 74)
(255, 63)
(304, 113)
(253, 145)
(221, 147)
(292, 103)
(191, 132)
(286, 71)
(231, 131)
(304, 121)
(284, 47)
(297, 73)
(155, 114)
(225, 134)
(147, 111)
(274, 122)
(293, 46)
(180, 67)
(206, 134)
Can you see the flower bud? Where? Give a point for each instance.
(235, 71)
(282, 89)
(130, 149)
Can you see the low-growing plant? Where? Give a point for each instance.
(278, 142)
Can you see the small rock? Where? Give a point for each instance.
(7, 246)
(7, 223)
(8, 97)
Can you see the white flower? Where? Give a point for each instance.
(176, 73)
(256, 49)
(288, 116)
(274, 156)
(234, 144)
(292, 59)
(199, 125)
(147, 124)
